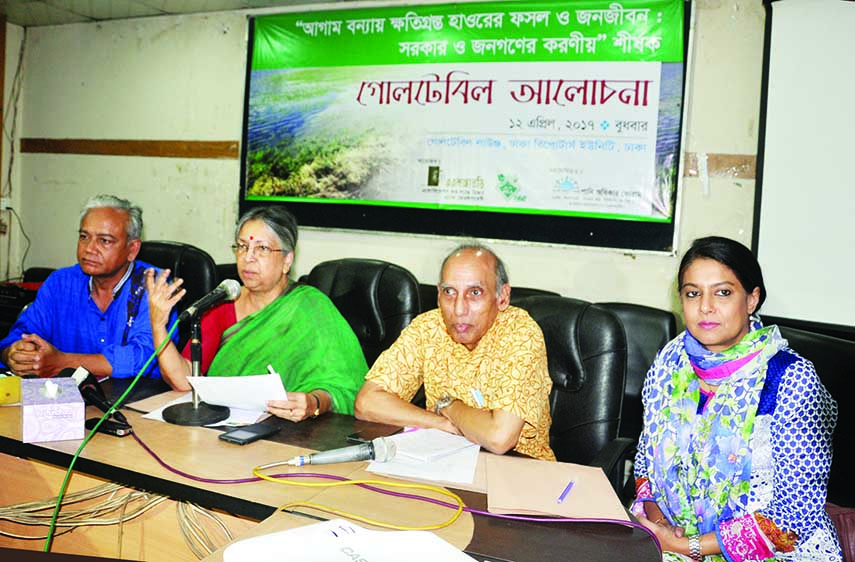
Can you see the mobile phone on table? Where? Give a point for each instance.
(249, 433)
(371, 433)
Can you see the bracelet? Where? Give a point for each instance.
(695, 547)
(317, 404)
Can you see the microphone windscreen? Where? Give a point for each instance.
(81, 375)
(384, 449)
(232, 288)
(67, 372)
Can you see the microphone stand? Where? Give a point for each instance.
(195, 412)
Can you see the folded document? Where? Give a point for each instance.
(534, 487)
(431, 455)
(426, 445)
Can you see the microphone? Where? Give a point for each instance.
(92, 392)
(228, 290)
(381, 449)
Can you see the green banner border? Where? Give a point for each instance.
(457, 207)
(452, 33)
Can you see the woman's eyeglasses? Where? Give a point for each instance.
(259, 250)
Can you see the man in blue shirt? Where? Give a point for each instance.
(95, 313)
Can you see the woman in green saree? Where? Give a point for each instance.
(275, 321)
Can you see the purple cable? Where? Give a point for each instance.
(190, 476)
(404, 495)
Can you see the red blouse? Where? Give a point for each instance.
(214, 322)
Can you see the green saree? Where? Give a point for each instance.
(306, 340)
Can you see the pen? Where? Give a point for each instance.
(566, 491)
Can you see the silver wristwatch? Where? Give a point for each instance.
(443, 402)
(695, 547)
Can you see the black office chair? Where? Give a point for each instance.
(228, 271)
(586, 348)
(191, 264)
(15, 297)
(427, 297)
(37, 274)
(834, 359)
(377, 298)
(194, 265)
(520, 293)
(647, 331)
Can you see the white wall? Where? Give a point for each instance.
(178, 78)
(807, 205)
(182, 78)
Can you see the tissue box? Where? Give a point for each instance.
(51, 418)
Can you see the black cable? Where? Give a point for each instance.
(27, 238)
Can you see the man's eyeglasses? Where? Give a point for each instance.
(260, 250)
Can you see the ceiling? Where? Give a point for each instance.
(32, 13)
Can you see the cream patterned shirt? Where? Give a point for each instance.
(508, 367)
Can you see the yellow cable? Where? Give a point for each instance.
(257, 472)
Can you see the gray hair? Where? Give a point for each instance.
(135, 223)
(501, 270)
(280, 221)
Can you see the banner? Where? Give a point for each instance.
(554, 108)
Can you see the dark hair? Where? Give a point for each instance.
(280, 221)
(732, 254)
(500, 269)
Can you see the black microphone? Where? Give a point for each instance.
(228, 290)
(91, 391)
(381, 449)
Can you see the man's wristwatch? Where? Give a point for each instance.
(443, 402)
(695, 547)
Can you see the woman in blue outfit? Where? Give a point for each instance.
(734, 457)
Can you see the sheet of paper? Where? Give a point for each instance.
(246, 393)
(338, 539)
(237, 416)
(532, 487)
(455, 468)
(425, 445)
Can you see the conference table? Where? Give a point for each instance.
(202, 459)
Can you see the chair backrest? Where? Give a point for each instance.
(647, 331)
(228, 271)
(377, 298)
(190, 263)
(427, 297)
(834, 359)
(37, 274)
(586, 347)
